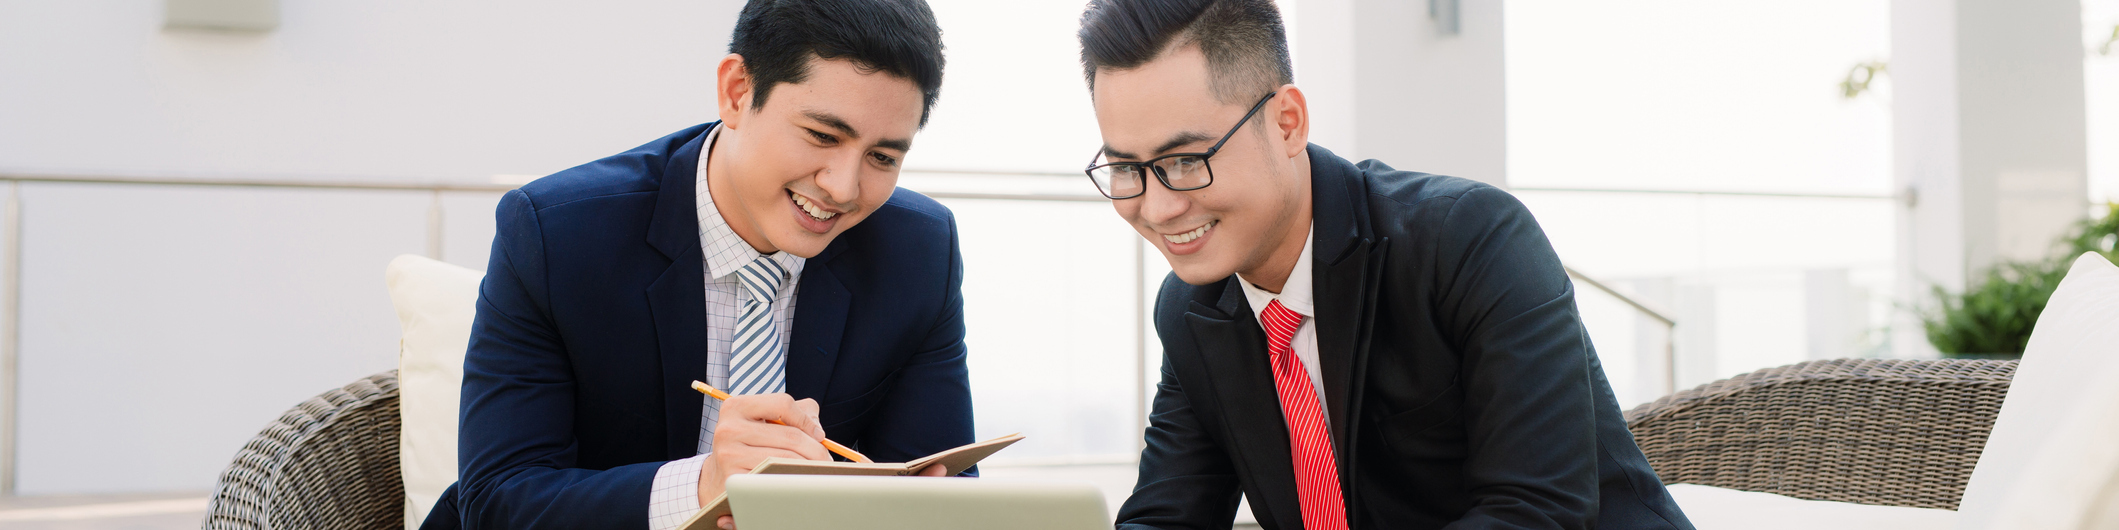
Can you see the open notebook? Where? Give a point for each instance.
(955, 460)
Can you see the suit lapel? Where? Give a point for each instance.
(1234, 350)
(677, 299)
(820, 322)
(1347, 269)
(1346, 303)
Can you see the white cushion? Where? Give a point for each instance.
(1712, 508)
(2072, 481)
(2053, 448)
(435, 302)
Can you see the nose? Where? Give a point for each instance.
(841, 180)
(1159, 205)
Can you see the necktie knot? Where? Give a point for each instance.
(761, 278)
(1280, 324)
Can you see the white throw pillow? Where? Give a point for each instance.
(2072, 481)
(435, 303)
(1712, 508)
(2053, 448)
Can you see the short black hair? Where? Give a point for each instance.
(1244, 41)
(778, 37)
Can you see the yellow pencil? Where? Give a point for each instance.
(842, 450)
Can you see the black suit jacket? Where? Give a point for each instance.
(1460, 385)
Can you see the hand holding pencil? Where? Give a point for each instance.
(835, 448)
(755, 427)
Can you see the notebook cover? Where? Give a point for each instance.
(954, 460)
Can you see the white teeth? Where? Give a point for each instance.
(818, 213)
(1187, 237)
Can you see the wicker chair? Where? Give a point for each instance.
(1882, 432)
(330, 462)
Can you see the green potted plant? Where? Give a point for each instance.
(1993, 318)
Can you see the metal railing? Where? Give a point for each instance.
(1668, 320)
(11, 266)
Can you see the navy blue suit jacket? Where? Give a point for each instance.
(591, 326)
(1459, 384)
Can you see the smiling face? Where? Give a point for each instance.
(1253, 218)
(819, 157)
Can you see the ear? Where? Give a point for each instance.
(1291, 116)
(732, 90)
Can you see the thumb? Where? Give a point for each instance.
(803, 415)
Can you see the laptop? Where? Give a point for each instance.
(811, 502)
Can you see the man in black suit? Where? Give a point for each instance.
(1348, 345)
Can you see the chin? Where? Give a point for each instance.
(801, 243)
(1200, 273)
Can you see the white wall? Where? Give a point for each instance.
(1678, 94)
(164, 325)
(1384, 83)
(428, 90)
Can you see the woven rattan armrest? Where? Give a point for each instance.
(330, 462)
(1868, 431)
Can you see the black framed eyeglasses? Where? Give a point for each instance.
(1177, 171)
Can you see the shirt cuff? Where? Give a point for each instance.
(675, 495)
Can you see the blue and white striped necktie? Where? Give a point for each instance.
(759, 363)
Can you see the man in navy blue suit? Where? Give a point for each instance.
(769, 254)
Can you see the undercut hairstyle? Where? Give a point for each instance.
(900, 37)
(1244, 42)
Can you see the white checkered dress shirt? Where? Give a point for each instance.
(675, 494)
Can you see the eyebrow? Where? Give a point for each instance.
(829, 120)
(1177, 140)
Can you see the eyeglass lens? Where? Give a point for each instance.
(1127, 180)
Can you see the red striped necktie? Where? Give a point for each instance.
(1316, 469)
